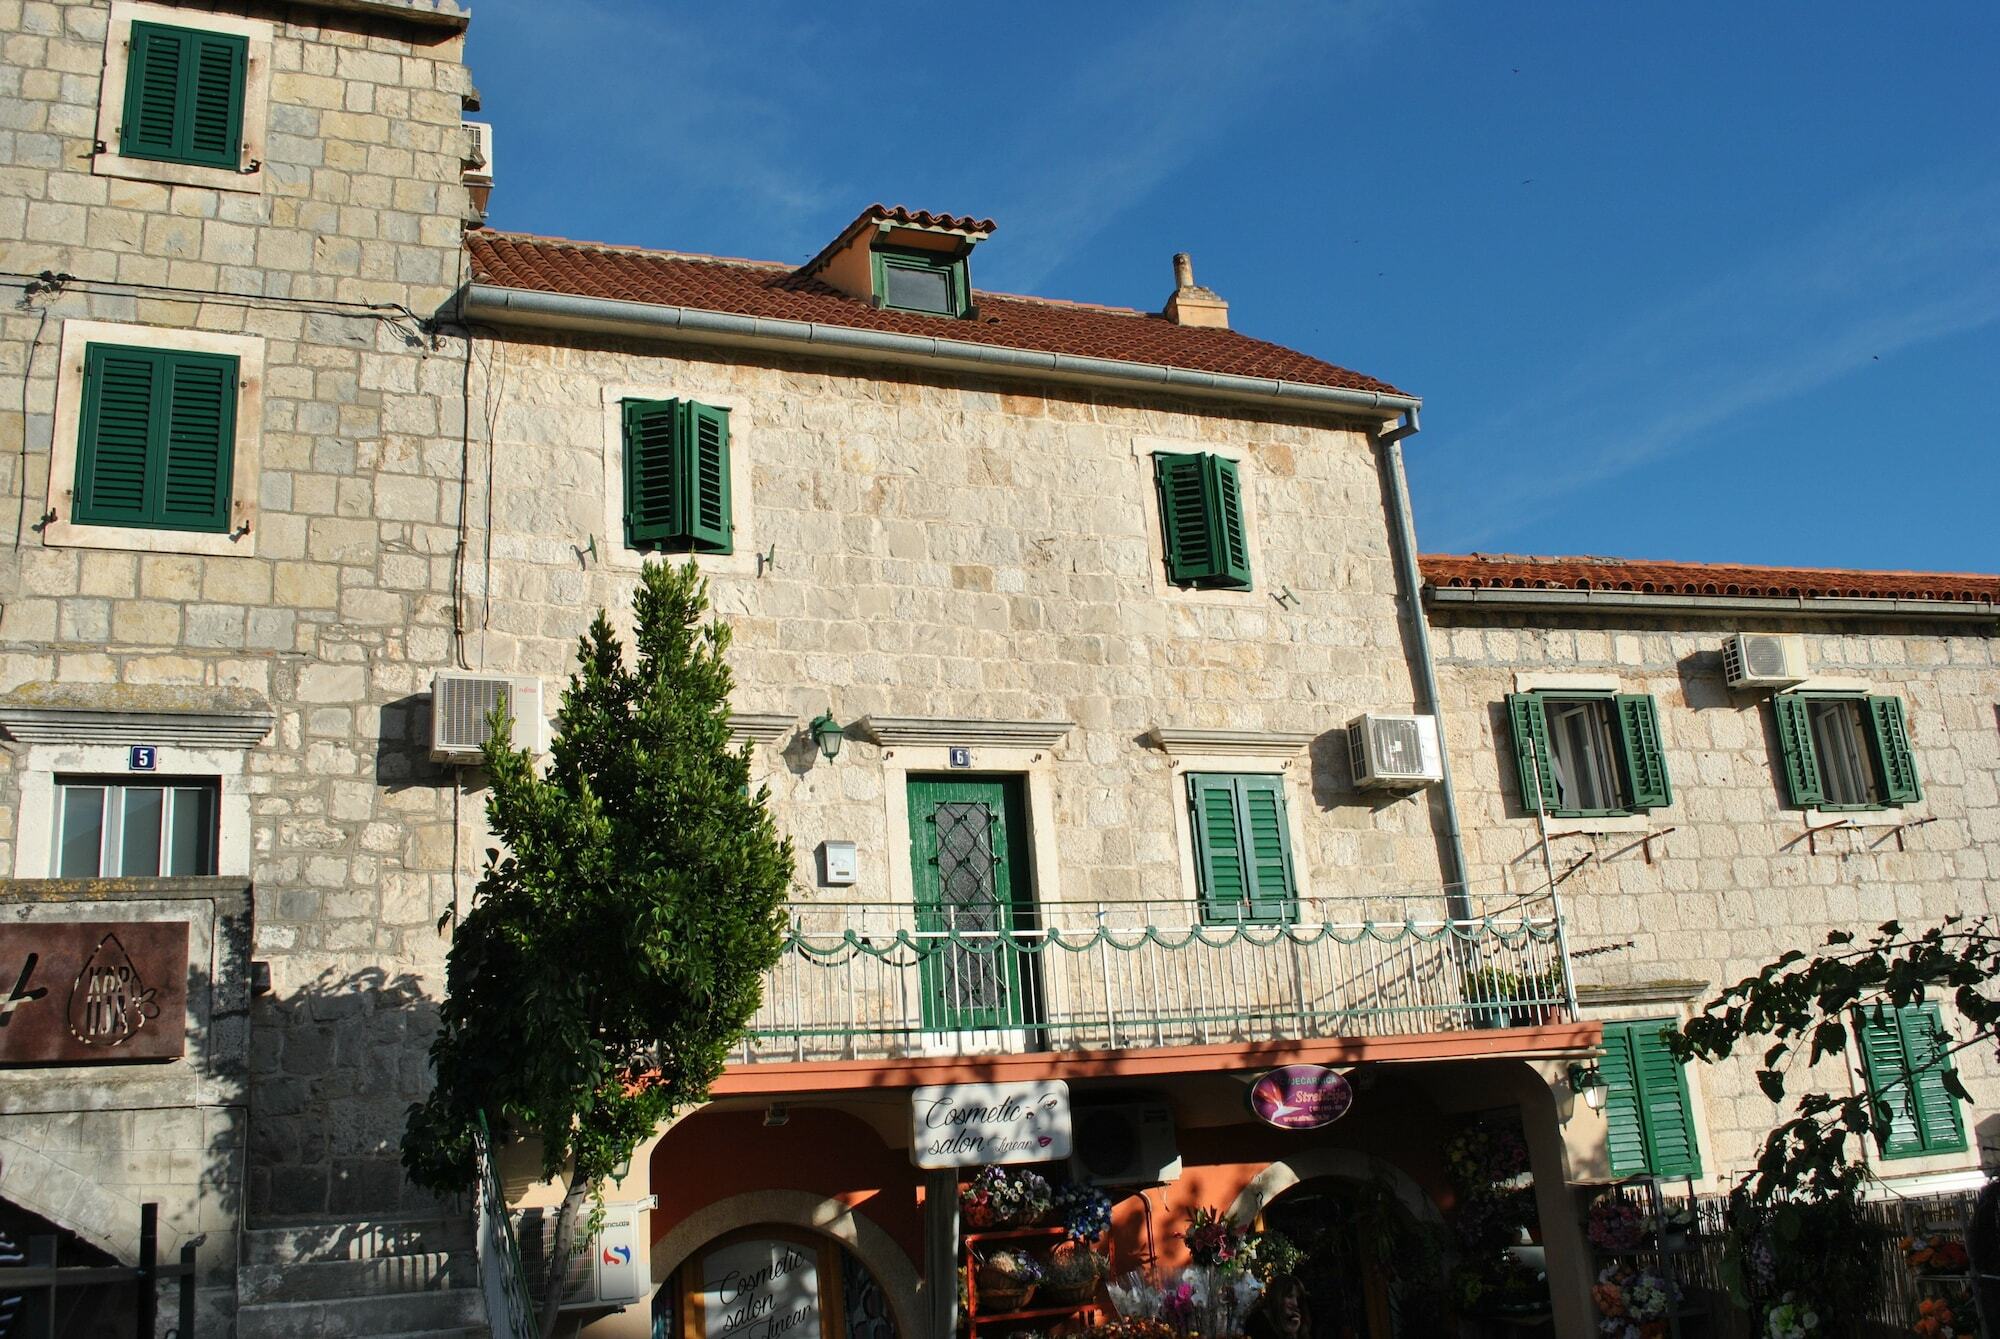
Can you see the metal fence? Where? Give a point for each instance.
(41, 1296)
(874, 980)
(510, 1313)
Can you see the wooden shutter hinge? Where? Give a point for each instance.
(256, 166)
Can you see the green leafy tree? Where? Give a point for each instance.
(615, 947)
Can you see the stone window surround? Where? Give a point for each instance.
(111, 105)
(741, 560)
(1543, 681)
(240, 541)
(1143, 450)
(1891, 817)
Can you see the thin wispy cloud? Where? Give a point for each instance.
(1909, 264)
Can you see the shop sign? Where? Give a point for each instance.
(87, 992)
(760, 1290)
(972, 1124)
(1301, 1097)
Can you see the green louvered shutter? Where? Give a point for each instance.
(1893, 759)
(184, 96)
(654, 513)
(1665, 1109)
(215, 102)
(1230, 544)
(1898, 1132)
(1795, 742)
(1927, 1048)
(1624, 1133)
(1220, 858)
(707, 458)
(1531, 751)
(116, 444)
(1645, 757)
(157, 60)
(1184, 526)
(1268, 839)
(200, 434)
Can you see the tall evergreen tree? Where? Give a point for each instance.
(615, 947)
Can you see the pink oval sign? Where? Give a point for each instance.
(1301, 1097)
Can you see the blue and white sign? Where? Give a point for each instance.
(960, 756)
(143, 758)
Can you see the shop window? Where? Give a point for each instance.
(1242, 847)
(1589, 755)
(1845, 751)
(773, 1280)
(118, 828)
(1907, 1053)
(1649, 1120)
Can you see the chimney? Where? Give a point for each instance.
(1192, 304)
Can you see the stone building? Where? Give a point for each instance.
(1051, 622)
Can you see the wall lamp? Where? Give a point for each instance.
(827, 733)
(1588, 1080)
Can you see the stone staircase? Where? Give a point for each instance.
(386, 1278)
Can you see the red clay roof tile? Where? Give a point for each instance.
(752, 288)
(1517, 572)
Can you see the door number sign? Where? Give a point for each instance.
(143, 758)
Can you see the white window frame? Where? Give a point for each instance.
(112, 817)
(108, 162)
(741, 560)
(1842, 750)
(240, 540)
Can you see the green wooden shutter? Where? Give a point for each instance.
(1184, 526)
(707, 458)
(1268, 839)
(1645, 759)
(1221, 861)
(654, 510)
(1897, 1132)
(1926, 1048)
(1531, 751)
(200, 436)
(1230, 544)
(1664, 1106)
(116, 443)
(215, 100)
(1624, 1132)
(1893, 759)
(157, 58)
(1795, 742)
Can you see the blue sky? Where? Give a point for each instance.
(1707, 281)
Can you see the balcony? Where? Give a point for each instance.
(874, 981)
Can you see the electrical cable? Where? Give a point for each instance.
(27, 381)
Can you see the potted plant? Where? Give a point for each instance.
(1007, 1281)
(1072, 1274)
(997, 1197)
(1616, 1224)
(1085, 1212)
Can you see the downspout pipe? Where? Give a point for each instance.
(1404, 530)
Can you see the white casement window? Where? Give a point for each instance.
(115, 827)
(1840, 738)
(1582, 753)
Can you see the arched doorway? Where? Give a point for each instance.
(776, 1280)
(1371, 1269)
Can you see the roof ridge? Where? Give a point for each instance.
(1608, 561)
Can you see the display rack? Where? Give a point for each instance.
(1055, 1233)
(1669, 1254)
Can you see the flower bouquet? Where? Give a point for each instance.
(1072, 1275)
(1634, 1303)
(1791, 1317)
(1616, 1224)
(1208, 1300)
(1007, 1281)
(1085, 1211)
(1936, 1319)
(1935, 1254)
(1212, 1238)
(1134, 1329)
(996, 1197)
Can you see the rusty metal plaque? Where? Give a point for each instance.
(91, 992)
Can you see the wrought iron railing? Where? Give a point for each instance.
(868, 980)
(510, 1312)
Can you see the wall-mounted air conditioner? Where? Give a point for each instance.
(1400, 751)
(617, 1269)
(1764, 660)
(1130, 1145)
(461, 702)
(479, 153)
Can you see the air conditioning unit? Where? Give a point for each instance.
(1130, 1145)
(1400, 751)
(479, 153)
(461, 702)
(1764, 660)
(614, 1268)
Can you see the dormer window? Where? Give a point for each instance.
(903, 260)
(920, 281)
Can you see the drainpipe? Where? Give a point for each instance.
(1404, 532)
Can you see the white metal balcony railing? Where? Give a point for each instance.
(863, 980)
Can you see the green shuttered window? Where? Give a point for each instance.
(1201, 520)
(158, 439)
(1906, 1054)
(1242, 847)
(1649, 1120)
(1584, 755)
(677, 477)
(1845, 751)
(920, 281)
(184, 96)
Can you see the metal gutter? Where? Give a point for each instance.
(566, 311)
(1626, 601)
(1403, 529)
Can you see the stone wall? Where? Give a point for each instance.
(1736, 882)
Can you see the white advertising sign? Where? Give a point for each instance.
(760, 1290)
(970, 1124)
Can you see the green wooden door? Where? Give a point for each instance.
(969, 868)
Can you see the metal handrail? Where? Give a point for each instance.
(501, 1274)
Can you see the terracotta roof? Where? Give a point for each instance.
(752, 288)
(1506, 571)
(923, 218)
